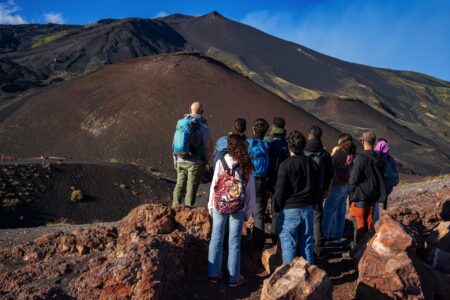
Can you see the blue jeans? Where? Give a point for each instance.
(234, 244)
(296, 235)
(334, 210)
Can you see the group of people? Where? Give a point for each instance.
(308, 186)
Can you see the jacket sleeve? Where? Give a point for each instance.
(281, 189)
(218, 170)
(250, 191)
(315, 174)
(355, 175)
(329, 170)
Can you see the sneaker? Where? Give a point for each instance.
(215, 279)
(347, 255)
(240, 282)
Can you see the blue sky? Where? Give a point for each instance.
(398, 34)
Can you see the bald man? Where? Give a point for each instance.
(190, 164)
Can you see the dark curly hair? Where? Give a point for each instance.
(238, 150)
(297, 142)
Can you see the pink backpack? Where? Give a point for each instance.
(229, 191)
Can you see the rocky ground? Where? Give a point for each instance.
(159, 253)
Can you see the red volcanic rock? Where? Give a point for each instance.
(195, 221)
(145, 257)
(271, 258)
(387, 267)
(299, 280)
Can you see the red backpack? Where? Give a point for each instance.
(229, 190)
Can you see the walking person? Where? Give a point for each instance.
(391, 178)
(278, 152)
(192, 149)
(232, 199)
(335, 205)
(366, 187)
(258, 150)
(221, 147)
(315, 150)
(297, 189)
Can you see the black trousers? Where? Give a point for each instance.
(259, 212)
(318, 236)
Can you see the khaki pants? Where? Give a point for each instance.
(188, 180)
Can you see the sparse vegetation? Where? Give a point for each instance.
(76, 195)
(10, 202)
(43, 40)
(59, 222)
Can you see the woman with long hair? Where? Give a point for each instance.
(335, 205)
(232, 198)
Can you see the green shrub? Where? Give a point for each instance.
(76, 195)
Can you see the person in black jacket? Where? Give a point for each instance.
(296, 191)
(366, 186)
(314, 149)
(278, 152)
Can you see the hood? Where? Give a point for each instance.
(382, 147)
(314, 145)
(277, 131)
(197, 117)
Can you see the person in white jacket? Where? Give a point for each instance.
(238, 163)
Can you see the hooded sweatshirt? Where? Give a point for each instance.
(366, 183)
(250, 192)
(278, 152)
(316, 146)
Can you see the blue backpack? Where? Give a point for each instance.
(187, 139)
(259, 153)
(391, 178)
(221, 149)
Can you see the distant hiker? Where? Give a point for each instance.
(298, 188)
(335, 205)
(220, 149)
(258, 150)
(315, 150)
(232, 199)
(192, 147)
(391, 178)
(278, 152)
(366, 187)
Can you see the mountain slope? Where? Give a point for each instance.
(296, 73)
(62, 55)
(127, 112)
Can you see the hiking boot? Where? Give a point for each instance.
(320, 255)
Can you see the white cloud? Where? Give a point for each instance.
(8, 13)
(53, 17)
(161, 14)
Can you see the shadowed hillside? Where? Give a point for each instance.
(127, 112)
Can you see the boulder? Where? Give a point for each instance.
(146, 256)
(438, 247)
(271, 258)
(389, 266)
(299, 280)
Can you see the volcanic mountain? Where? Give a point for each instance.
(301, 76)
(407, 108)
(127, 112)
(51, 56)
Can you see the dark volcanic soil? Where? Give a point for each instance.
(127, 112)
(37, 193)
